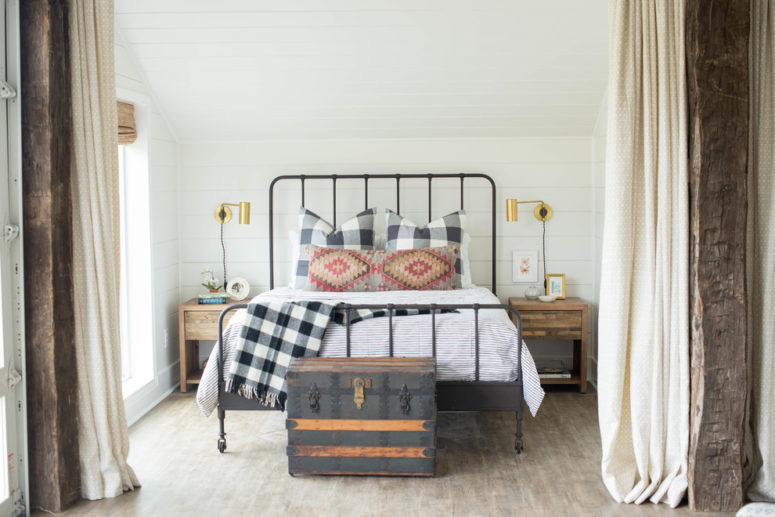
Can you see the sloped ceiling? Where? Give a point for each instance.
(259, 69)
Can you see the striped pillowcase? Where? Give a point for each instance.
(403, 234)
(356, 233)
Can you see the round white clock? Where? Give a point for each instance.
(238, 288)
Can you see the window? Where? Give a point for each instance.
(136, 302)
(126, 364)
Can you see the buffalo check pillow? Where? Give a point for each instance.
(403, 234)
(356, 233)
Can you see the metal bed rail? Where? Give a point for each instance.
(391, 308)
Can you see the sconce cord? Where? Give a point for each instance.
(543, 239)
(223, 247)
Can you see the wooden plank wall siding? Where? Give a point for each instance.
(329, 434)
(717, 64)
(530, 166)
(54, 469)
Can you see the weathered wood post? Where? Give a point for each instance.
(46, 147)
(717, 71)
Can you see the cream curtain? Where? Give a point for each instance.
(761, 254)
(103, 436)
(643, 363)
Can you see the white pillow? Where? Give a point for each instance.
(465, 260)
(293, 241)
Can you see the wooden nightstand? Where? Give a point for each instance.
(196, 322)
(560, 319)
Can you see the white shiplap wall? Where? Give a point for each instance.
(254, 88)
(261, 69)
(557, 170)
(163, 184)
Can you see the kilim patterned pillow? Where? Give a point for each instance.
(381, 270)
(356, 233)
(403, 234)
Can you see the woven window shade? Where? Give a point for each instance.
(127, 130)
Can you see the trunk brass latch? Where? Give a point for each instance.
(404, 398)
(358, 384)
(314, 398)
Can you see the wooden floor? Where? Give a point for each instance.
(174, 454)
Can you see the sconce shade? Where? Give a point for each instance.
(244, 212)
(542, 212)
(511, 210)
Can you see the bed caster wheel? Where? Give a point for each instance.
(519, 447)
(221, 445)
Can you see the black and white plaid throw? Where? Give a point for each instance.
(274, 334)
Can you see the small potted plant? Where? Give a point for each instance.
(210, 281)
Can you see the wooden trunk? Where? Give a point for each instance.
(362, 416)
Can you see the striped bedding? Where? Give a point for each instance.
(455, 352)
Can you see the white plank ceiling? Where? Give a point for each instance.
(258, 69)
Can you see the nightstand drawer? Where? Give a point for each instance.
(204, 325)
(551, 324)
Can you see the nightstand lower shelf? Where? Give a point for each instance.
(573, 379)
(194, 377)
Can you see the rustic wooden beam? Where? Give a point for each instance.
(717, 36)
(49, 321)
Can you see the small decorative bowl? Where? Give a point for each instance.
(532, 292)
(547, 299)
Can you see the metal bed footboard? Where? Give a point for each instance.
(473, 395)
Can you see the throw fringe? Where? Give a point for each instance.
(263, 397)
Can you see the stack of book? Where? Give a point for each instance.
(212, 298)
(553, 373)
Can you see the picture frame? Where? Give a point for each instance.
(238, 288)
(555, 285)
(524, 266)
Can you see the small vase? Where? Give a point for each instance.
(532, 292)
(215, 290)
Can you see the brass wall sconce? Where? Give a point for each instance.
(223, 212)
(223, 216)
(542, 211)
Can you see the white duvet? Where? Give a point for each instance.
(455, 348)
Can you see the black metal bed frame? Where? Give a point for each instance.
(303, 178)
(473, 395)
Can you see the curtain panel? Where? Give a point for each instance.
(103, 434)
(643, 343)
(760, 253)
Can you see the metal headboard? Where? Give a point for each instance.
(303, 178)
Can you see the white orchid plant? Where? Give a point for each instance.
(211, 282)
